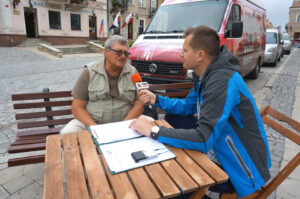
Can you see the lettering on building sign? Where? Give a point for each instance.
(95, 5)
(58, 1)
(48, 5)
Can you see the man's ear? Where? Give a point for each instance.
(201, 55)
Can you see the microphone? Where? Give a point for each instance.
(140, 85)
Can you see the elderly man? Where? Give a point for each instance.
(104, 91)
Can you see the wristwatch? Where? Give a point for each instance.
(154, 132)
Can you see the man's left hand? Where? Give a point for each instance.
(142, 126)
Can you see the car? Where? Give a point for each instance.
(273, 50)
(287, 44)
(240, 25)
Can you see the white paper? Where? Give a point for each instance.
(112, 132)
(118, 154)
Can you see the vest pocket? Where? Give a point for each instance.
(96, 94)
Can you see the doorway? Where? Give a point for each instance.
(130, 31)
(93, 27)
(31, 22)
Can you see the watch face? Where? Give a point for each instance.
(155, 129)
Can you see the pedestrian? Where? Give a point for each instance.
(104, 91)
(228, 127)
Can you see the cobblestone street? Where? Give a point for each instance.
(27, 70)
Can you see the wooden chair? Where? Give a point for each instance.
(42, 114)
(291, 166)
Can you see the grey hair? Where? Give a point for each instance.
(115, 38)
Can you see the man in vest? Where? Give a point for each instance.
(104, 91)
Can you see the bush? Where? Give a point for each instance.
(130, 43)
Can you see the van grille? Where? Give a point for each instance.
(163, 68)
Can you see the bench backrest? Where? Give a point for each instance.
(45, 109)
(177, 90)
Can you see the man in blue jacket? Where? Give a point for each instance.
(229, 125)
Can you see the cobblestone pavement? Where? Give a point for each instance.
(24, 70)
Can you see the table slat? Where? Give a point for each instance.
(210, 167)
(53, 171)
(143, 184)
(120, 183)
(98, 183)
(162, 180)
(191, 167)
(76, 184)
(182, 179)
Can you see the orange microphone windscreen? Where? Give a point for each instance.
(136, 78)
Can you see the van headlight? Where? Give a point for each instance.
(189, 74)
(271, 50)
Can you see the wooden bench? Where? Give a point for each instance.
(41, 114)
(45, 113)
(291, 166)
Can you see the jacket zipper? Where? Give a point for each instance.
(240, 160)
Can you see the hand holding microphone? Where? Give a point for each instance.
(144, 94)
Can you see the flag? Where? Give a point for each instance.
(128, 20)
(117, 20)
(101, 27)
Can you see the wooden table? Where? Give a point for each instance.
(87, 175)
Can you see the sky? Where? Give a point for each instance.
(278, 11)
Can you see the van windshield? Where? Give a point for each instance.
(271, 38)
(286, 37)
(177, 17)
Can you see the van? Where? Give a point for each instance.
(287, 44)
(273, 50)
(239, 23)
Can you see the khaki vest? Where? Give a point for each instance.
(101, 106)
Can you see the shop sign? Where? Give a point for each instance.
(47, 5)
(58, 1)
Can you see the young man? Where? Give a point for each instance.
(104, 91)
(229, 122)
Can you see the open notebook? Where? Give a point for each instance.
(118, 142)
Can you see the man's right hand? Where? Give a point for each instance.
(146, 96)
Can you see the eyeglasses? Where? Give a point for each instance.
(120, 52)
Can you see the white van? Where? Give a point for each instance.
(273, 50)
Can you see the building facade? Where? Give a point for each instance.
(55, 21)
(294, 21)
(142, 13)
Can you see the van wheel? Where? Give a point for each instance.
(255, 72)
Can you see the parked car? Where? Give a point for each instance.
(240, 25)
(273, 50)
(287, 44)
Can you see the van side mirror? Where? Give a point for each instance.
(281, 42)
(237, 29)
(141, 30)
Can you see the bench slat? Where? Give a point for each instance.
(76, 184)
(178, 94)
(187, 85)
(30, 96)
(42, 104)
(98, 183)
(25, 125)
(26, 160)
(42, 114)
(28, 141)
(26, 147)
(38, 132)
(53, 171)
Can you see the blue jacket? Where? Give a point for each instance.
(229, 123)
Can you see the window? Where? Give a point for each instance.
(235, 15)
(153, 6)
(271, 38)
(298, 18)
(75, 22)
(142, 3)
(54, 20)
(142, 24)
(131, 2)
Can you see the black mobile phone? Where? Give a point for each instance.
(138, 156)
